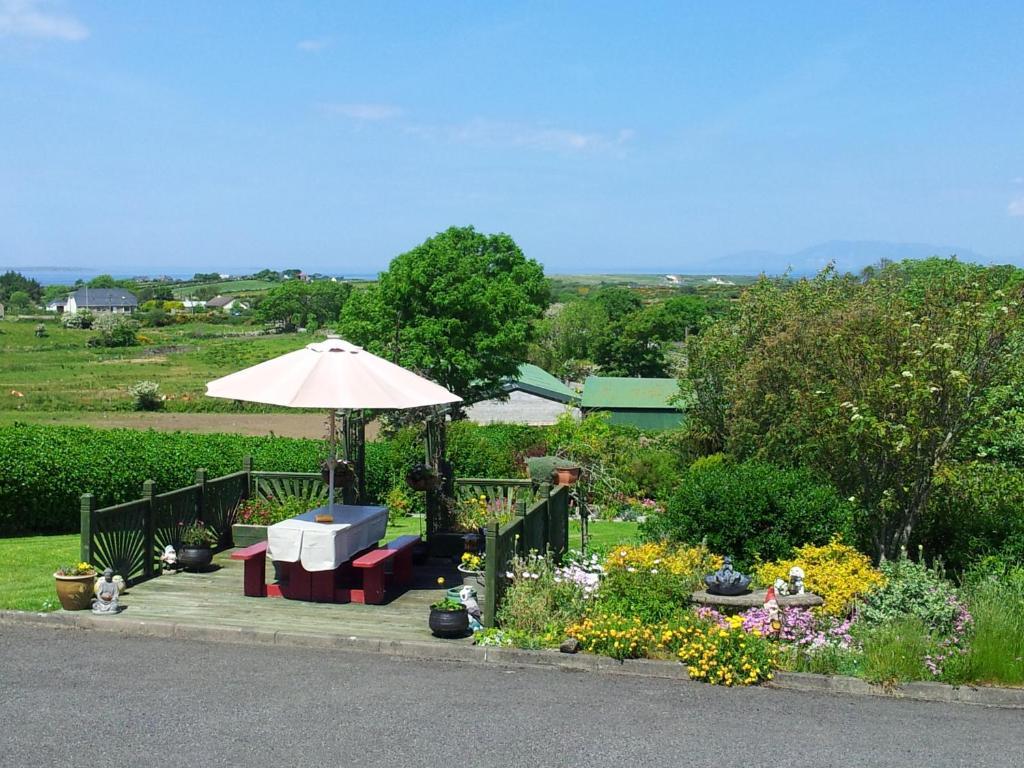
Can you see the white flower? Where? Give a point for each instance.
(654, 570)
(907, 374)
(631, 569)
(856, 417)
(852, 498)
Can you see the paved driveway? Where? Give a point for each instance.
(73, 698)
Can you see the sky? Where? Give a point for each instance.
(604, 137)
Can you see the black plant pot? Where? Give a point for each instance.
(195, 558)
(449, 623)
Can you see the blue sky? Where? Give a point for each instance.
(602, 136)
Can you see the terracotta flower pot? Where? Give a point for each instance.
(75, 592)
(567, 475)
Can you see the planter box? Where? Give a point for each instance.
(247, 535)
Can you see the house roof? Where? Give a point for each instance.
(104, 297)
(613, 392)
(537, 381)
(220, 301)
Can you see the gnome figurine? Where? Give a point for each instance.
(771, 606)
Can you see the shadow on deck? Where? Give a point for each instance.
(215, 598)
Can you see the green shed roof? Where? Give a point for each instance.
(614, 393)
(538, 381)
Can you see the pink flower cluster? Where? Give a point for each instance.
(799, 627)
(955, 644)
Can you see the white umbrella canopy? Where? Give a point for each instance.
(332, 374)
(335, 375)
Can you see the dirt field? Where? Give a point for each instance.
(309, 425)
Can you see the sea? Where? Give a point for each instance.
(70, 275)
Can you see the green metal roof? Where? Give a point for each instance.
(610, 392)
(540, 382)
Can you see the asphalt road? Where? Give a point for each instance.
(72, 698)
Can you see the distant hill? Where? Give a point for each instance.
(848, 255)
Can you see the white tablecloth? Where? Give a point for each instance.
(325, 546)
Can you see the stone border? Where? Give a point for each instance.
(1012, 698)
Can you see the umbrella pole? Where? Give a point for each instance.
(331, 462)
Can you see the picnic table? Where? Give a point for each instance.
(337, 561)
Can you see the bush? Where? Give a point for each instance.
(146, 396)
(836, 571)
(751, 511)
(538, 601)
(115, 330)
(650, 597)
(912, 589)
(690, 562)
(82, 319)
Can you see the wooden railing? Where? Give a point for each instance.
(543, 527)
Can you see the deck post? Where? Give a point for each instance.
(201, 495)
(149, 529)
(491, 573)
(87, 506)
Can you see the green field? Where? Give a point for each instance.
(61, 373)
(223, 287)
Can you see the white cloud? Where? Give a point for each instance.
(368, 112)
(313, 46)
(1016, 207)
(492, 132)
(38, 19)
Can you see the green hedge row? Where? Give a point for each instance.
(44, 469)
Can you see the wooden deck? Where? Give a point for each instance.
(215, 598)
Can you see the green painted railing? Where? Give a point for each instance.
(543, 527)
(130, 537)
(308, 486)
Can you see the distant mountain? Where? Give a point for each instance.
(848, 255)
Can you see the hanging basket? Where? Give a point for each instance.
(420, 477)
(344, 474)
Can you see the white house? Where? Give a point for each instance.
(534, 396)
(115, 300)
(226, 303)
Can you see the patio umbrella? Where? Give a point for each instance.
(334, 375)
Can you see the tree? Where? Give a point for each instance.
(268, 274)
(20, 301)
(297, 304)
(206, 277)
(11, 282)
(570, 334)
(458, 308)
(104, 281)
(874, 381)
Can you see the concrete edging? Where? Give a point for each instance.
(1012, 698)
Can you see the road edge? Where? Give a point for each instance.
(1005, 698)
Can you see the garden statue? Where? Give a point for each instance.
(771, 607)
(726, 581)
(106, 594)
(796, 581)
(169, 558)
(472, 608)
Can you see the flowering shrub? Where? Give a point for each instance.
(471, 513)
(472, 561)
(913, 589)
(539, 600)
(836, 571)
(398, 502)
(146, 396)
(614, 635)
(721, 655)
(658, 557)
(799, 626)
(258, 511)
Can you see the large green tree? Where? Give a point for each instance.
(874, 381)
(296, 303)
(459, 308)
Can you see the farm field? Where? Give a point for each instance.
(61, 373)
(223, 287)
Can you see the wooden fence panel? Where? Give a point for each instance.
(221, 496)
(308, 486)
(117, 539)
(172, 511)
(558, 522)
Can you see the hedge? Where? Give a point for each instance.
(44, 469)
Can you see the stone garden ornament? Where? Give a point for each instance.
(107, 591)
(467, 598)
(726, 581)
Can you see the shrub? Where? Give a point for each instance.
(81, 319)
(837, 572)
(614, 635)
(259, 511)
(912, 589)
(689, 562)
(653, 597)
(723, 656)
(115, 330)
(146, 396)
(538, 602)
(751, 510)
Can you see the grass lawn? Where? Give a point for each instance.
(26, 576)
(603, 533)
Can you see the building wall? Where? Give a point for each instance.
(520, 408)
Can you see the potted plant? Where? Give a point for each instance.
(344, 474)
(420, 477)
(197, 542)
(74, 586)
(449, 618)
(554, 469)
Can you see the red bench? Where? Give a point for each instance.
(372, 566)
(403, 546)
(255, 559)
